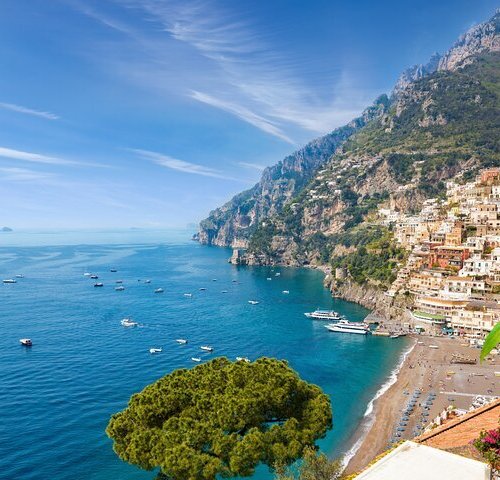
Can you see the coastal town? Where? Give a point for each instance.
(452, 271)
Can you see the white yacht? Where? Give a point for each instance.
(181, 341)
(343, 326)
(26, 342)
(127, 322)
(9, 280)
(253, 302)
(155, 350)
(159, 290)
(196, 359)
(324, 315)
(207, 348)
(120, 288)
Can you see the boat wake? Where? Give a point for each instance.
(368, 418)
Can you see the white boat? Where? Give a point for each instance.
(120, 288)
(343, 326)
(127, 322)
(147, 281)
(26, 342)
(87, 274)
(286, 291)
(433, 346)
(9, 280)
(94, 277)
(253, 302)
(196, 359)
(159, 290)
(19, 275)
(182, 341)
(207, 348)
(242, 359)
(394, 336)
(223, 291)
(268, 278)
(155, 350)
(98, 284)
(324, 315)
(277, 274)
(189, 295)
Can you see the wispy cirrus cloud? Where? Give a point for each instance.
(28, 111)
(243, 73)
(34, 157)
(180, 165)
(254, 166)
(16, 174)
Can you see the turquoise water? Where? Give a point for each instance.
(56, 397)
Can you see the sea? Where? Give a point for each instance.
(57, 396)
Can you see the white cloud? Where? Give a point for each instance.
(15, 174)
(255, 166)
(241, 73)
(34, 157)
(28, 111)
(243, 113)
(180, 165)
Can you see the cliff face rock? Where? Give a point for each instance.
(479, 39)
(235, 222)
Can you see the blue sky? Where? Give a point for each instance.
(150, 113)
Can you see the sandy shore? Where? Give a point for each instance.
(429, 370)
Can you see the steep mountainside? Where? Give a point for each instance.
(442, 121)
(235, 222)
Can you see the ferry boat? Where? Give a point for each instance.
(120, 288)
(324, 315)
(182, 341)
(343, 326)
(159, 290)
(26, 342)
(207, 348)
(127, 322)
(9, 280)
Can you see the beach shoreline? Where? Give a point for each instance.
(427, 369)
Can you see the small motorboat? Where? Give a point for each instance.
(207, 348)
(253, 302)
(202, 289)
(277, 274)
(98, 284)
(159, 290)
(119, 281)
(147, 281)
(19, 275)
(87, 274)
(127, 322)
(214, 279)
(223, 291)
(234, 281)
(394, 336)
(182, 341)
(120, 288)
(26, 342)
(189, 295)
(113, 270)
(9, 280)
(286, 292)
(268, 278)
(155, 350)
(242, 359)
(94, 277)
(196, 359)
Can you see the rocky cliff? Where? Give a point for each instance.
(235, 222)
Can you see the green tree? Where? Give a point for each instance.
(313, 467)
(221, 418)
(491, 341)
